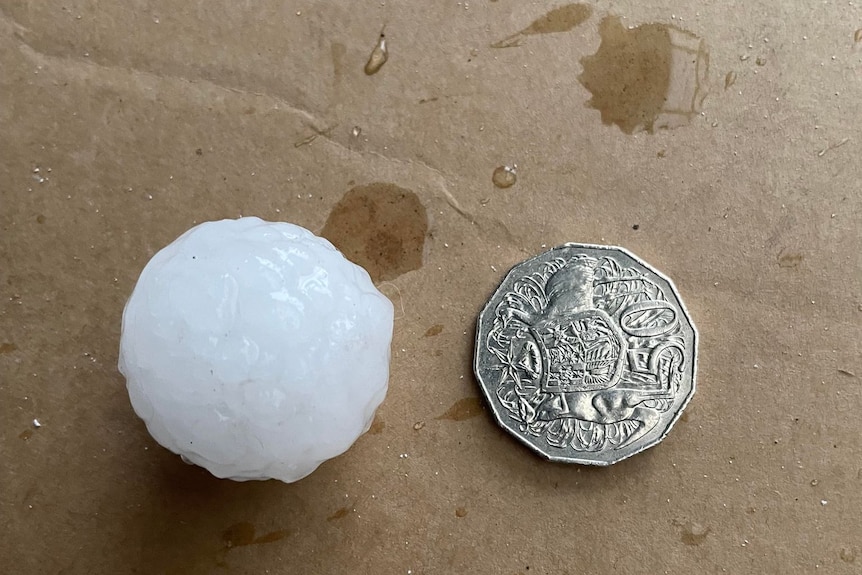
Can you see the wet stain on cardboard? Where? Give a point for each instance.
(7, 347)
(26, 434)
(788, 259)
(377, 426)
(562, 19)
(40, 219)
(272, 536)
(693, 533)
(239, 534)
(463, 409)
(646, 78)
(460, 512)
(339, 53)
(435, 329)
(729, 79)
(380, 227)
(340, 514)
(847, 555)
(242, 533)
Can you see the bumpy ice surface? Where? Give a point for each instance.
(255, 349)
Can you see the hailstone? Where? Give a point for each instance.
(255, 349)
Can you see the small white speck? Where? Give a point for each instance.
(36, 423)
(823, 502)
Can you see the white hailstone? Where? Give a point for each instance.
(255, 349)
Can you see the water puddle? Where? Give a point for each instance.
(646, 78)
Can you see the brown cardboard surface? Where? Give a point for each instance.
(143, 118)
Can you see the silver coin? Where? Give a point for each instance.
(586, 354)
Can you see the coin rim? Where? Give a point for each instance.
(523, 439)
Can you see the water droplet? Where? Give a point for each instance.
(814, 482)
(504, 176)
(156, 20)
(647, 77)
(418, 425)
(379, 56)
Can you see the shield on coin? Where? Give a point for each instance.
(586, 354)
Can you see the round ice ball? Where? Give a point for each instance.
(255, 349)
